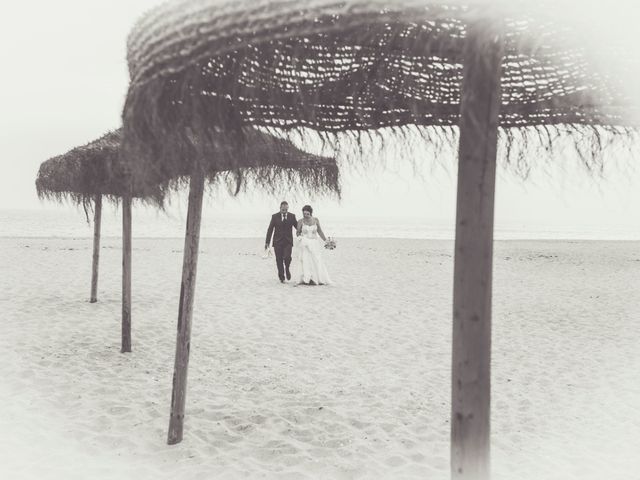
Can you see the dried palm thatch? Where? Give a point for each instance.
(202, 66)
(89, 170)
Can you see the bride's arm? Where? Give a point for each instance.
(320, 232)
(299, 228)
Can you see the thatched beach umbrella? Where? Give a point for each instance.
(350, 68)
(61, 178)
(89, 173)
(238, 159)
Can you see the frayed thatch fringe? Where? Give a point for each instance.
(519, 149)
(304, 182)
(522, 149)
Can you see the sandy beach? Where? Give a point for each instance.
(338, 382)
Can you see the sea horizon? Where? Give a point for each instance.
(23, 223)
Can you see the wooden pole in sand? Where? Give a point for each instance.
(97, 218)
(471, 369)
(185, 309)
(126, 274)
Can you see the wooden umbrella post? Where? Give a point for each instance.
(185, 310)
(126, 274)
(97, 219)
(471, 344)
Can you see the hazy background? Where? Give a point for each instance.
(65, 78)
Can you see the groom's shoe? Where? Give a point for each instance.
(281, 279)
(288, 274)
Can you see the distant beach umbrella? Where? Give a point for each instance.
(510, 74)
(89, 173)
(90, 170)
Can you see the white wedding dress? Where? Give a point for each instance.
(310, 262)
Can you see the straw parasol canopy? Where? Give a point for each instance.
(89, 170)
(202, 65)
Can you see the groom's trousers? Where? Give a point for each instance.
(283, 257)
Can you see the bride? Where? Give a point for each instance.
(310, 262)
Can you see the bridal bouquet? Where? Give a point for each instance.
(330, 244)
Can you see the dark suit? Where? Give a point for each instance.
(282, 240)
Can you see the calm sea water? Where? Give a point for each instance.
(73, 224)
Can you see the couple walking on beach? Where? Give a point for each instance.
(312, 270)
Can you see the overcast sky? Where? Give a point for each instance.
(64, 82)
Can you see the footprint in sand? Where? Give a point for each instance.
(119, 410)
(395, 461)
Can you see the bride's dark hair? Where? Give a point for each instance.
(307, 208)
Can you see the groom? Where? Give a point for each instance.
(282, 223)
